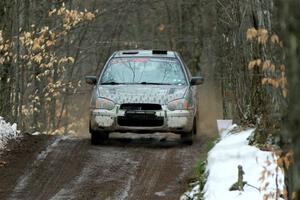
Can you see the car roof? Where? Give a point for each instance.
(144, 53)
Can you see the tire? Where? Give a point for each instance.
(98, 137)
(195, 126)
(188, 138)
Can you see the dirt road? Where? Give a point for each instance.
(126, 167)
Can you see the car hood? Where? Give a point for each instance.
(155, 94)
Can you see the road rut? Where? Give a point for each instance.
(126, 167)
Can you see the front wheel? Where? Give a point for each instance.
(188, 138)
(98, 137)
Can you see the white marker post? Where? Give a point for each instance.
(223, 124)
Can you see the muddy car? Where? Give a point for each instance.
(144, 92)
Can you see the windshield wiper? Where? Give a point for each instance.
(150, 83)
(143, 83)
(116, 83)
(110, 83)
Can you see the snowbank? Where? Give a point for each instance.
(7, 132)
(260, 167)
(194, 194)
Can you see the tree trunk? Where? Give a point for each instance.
(290, 20)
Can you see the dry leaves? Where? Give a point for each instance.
(274, 76)
(262, 36)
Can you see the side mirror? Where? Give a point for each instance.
(197, 80)
(92, 80)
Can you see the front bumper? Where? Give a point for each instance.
(178, 121)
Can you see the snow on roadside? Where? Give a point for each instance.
(260, 167)
(194, 194)
(7, 132)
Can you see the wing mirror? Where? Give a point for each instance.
(92, 80)
(197, 80)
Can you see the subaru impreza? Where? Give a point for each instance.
(143, 91)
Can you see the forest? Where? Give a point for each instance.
(247, 50)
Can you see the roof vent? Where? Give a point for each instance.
(130, 52)
(160, 52)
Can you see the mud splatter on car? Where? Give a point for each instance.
(143, 91)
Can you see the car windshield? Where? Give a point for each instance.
(144, 70)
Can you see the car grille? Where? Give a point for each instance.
(140, 106)
(140, 115)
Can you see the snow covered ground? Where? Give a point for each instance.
(265, 178)
(7, 132)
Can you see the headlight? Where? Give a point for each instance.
(179, 104)
(106, 104)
